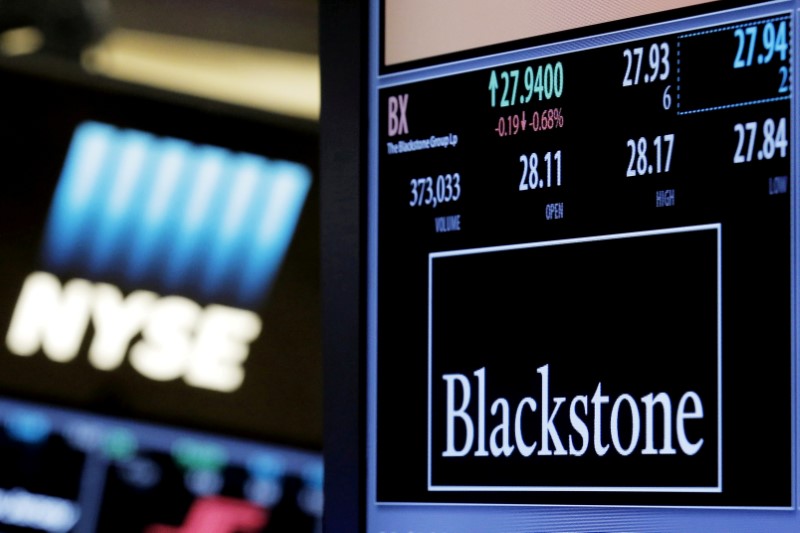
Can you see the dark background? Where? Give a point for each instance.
(644, 324)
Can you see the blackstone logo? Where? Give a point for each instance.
(558, 367)
(514, 432)
(576, 437)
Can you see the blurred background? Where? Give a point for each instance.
(256, 53)
(160, 351)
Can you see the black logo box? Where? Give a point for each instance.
(633, 313)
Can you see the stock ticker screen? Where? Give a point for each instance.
(582, 282)
(159, 350)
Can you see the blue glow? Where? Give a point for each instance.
(273, 231)
(241, 210)
(120, 201)
(75, 194)
(314, 476)
(171, 163)
(28, 427)
(266, 466)
(204, 187)
(165, 214)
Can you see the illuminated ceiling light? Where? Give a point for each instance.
(21, 41)
(277, 81)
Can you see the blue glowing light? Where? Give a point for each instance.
(173, 216)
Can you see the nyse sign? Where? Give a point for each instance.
(165, 338)
(140, 229)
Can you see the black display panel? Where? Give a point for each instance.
(577, 303)
(601, 297)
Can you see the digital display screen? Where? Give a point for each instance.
(581, 273)
(66, 470)
(161, 260)
(194, 223)
(159, 313)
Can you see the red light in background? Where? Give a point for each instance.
(218, 514)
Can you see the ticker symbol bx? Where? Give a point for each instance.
(398, 121)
